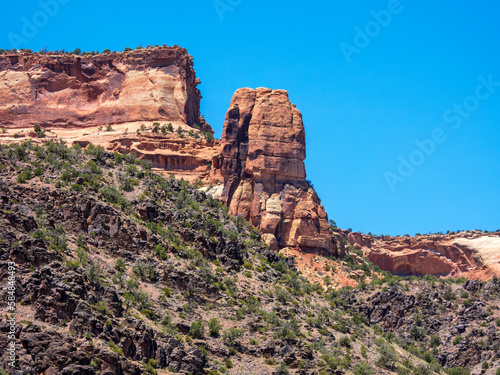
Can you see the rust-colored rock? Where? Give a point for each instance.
(70, 90)
(470, 254)
(260, 160)
(187, 158)
(262, 163)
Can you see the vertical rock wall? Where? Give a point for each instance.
(262, 163)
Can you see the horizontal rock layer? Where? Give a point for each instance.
(70, 90)
(470, 254)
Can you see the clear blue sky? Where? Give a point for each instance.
(360, 116)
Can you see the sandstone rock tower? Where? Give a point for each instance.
(262, 163)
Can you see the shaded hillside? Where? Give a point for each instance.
(122, 271)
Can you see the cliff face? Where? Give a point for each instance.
(471, 254)
(153, 84)
(260, 160)
(262, 163)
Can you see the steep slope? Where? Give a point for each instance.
(119, 270)
(146, 102)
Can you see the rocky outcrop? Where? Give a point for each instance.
(62, 90)
(150, 98)
(262, 163)
(471, 254)
(187, 158)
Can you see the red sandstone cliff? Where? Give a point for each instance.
(153, 84)
(259, 163)
(259, 160)
(471, 254)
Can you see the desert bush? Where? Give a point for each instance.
(197, 329)
(362, 369)
(231, 335)
(214, 326)
(282, 369)
(115, 349)
(120, 265)
(387, 356)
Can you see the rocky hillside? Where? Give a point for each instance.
(471, 254)
(146, 102)
(119, 270)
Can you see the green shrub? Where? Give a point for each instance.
(39, 132)
(94, 274)
(231, 335)
(145, 271)
(387, 356)
(170, 327)
(214, 327)
(25, 175)
(345, 342)
(101, 307)
(112, 195)
(363, 351)
(197, 329)
(94, 168)
(458, 371)
(362, 369)
(96, 151)
(77, 187)
(38, 171)
(401, 370)
(114, 348)
(72, 264)
(66, 176)
(282, 369)
(120, 265)
(148, 313)
(209, 137)
(160, 252)
(435, 341)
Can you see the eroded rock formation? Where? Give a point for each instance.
(260, 160)
(70, 90)
(190, 159)
(262, 163)
(471, 254)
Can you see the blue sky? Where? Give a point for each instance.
(363, 111)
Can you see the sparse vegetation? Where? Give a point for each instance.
(123, 246)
